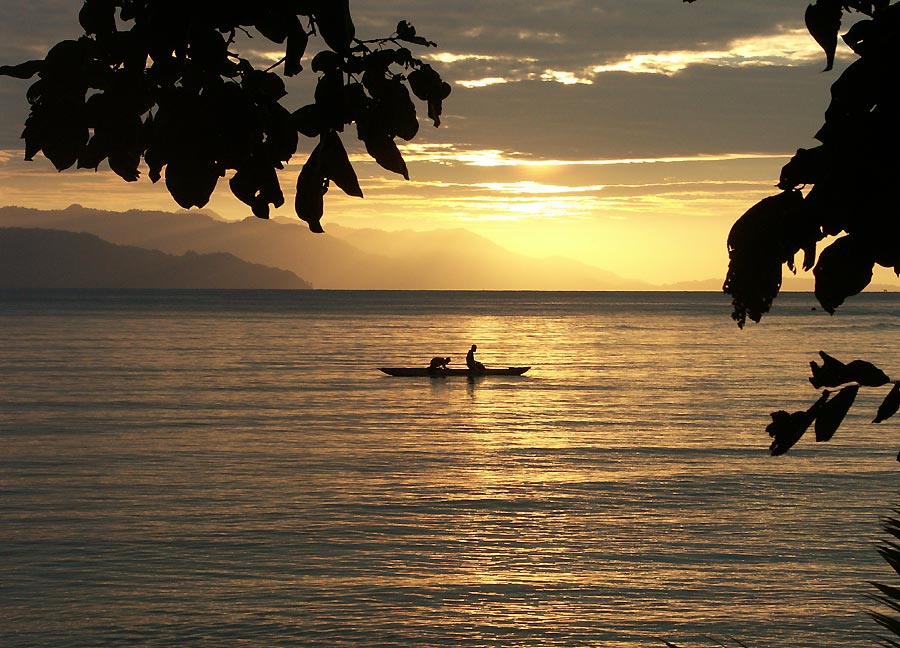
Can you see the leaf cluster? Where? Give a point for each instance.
(841, 190)
(889, 595)
(829, 410)
(157, 80)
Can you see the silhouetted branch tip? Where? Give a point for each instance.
(160, 85)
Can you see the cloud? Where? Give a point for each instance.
(446, 153)
(565, 78)
(528, 187)
(450, 58)
(486, 81)
(787, 47)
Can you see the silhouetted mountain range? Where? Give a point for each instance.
(347, 258)
(343, 258)
(44, 258)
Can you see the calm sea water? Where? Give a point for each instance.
(229, 468)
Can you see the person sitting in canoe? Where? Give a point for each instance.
(471, 362)
(438, 362)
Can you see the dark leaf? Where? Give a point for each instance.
(128, 48)
(866, 374)
(758, 245)
(888, 591)
(256, 184)
(93, 153)
(832, 373)
(423, 82)
(853, 95)
(436, 106)
(844, 269)
(244, 184)
(296, 47)
(260, 210)
(98, 16)
(326, 61)
(373, 131)
(823, 20)
(335, 24)
(830, 206)
(281, 132)
(24, 70)
(65, 65)
(881, 234)
(833, 411)
(155, 154)
(308, 120)
(401, 112)
(35, 91)
(63, 133)
(277, 23)
(266, 84)
(270, 188)
(191, 181)
(404, 57)
(33, 136)
(330, 99)
(406, 32)
(428, 86)
(356, 102)
(337, 165)
(311, 187)
(124, 134)
(786, 429)
(376, 77)
(125, 162)
(207, 47)
(861, 35)
(155, 164)
(806, 167)
(889, 405)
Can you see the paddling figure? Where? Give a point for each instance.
(471, 362)
(438, 362)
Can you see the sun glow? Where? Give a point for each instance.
(498, 158)
(482, 83)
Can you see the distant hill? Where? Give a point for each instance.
(343, 258)
(453, 258)
(350, 258)
(43, 258)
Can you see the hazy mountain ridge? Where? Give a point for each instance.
(343, 258)
(351, 258)
(47, 258)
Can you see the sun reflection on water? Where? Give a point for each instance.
(279, 489)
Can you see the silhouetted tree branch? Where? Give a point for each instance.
(829, 410)
(157, 80)
(889, 595)
(849, 197)
(848, 179)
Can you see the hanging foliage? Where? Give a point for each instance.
(158, 81)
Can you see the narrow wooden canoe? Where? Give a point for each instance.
(439, 373)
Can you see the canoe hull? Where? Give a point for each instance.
(440, 373)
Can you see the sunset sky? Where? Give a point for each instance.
(628, 134)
